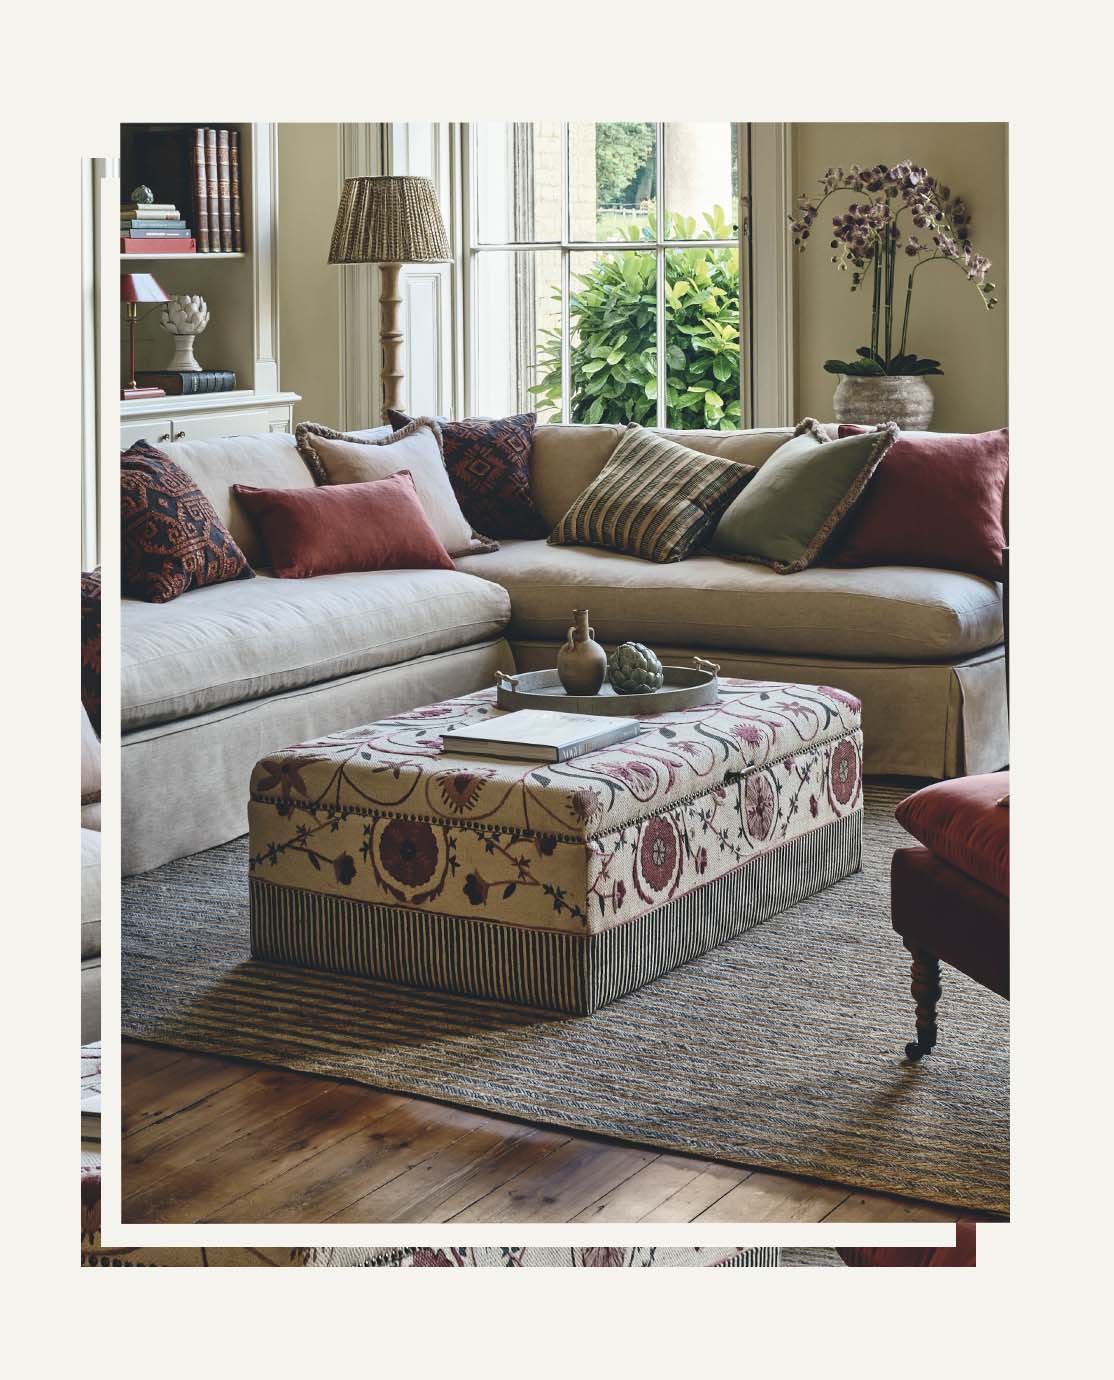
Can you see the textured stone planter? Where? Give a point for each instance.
(908, 401)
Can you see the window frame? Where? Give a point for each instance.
(472, 248)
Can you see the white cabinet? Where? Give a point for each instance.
(195, 419)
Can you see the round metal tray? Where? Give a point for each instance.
(685, 687)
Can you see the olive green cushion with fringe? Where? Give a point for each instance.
(788, 512)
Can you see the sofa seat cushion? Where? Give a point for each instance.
(885, 612)
(228, 643)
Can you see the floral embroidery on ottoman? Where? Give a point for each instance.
(844, 774)
(658, 857)
(282, 776)
(760, 807)
(408, 851)
(345, 869)
(460, 790)
(585, 805)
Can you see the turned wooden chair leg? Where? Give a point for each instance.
(925, 988)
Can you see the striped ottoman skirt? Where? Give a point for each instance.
(562, 887)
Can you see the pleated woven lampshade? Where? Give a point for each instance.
(388, 220)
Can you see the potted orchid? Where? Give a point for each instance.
(885, 382)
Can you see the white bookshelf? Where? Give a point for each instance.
(241, 290)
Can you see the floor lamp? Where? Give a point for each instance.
(389, 221)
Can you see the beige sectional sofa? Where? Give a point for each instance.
(217, 678)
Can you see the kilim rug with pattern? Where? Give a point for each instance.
(781, 1050)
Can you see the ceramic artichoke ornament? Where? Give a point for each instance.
(184, 317)
(633, 669)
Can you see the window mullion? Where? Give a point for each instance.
(659, 173)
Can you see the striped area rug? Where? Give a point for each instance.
(779, 1050)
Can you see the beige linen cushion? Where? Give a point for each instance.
(265, 461)
(336, 457)
(654, 499)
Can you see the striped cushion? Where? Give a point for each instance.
(654, 498)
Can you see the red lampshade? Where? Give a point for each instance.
(140, 287)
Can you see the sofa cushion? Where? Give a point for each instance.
(488, 460)
(801, 494)
(936, 500)
(266, 461)
(337, 458)
(380, 525)
(90, 762)
(230, 643)
(567, 458)
(885, 612)
(171, 536)
(655, 499)
(91, 646)
(964, 823)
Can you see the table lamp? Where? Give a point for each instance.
(389, 221)
(136, 288)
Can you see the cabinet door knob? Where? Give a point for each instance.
(166, 436)
(177, 435)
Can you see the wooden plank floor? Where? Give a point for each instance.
(211, 1139)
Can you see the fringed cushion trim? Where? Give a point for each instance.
(885, 435)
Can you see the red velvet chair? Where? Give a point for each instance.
(950, 897)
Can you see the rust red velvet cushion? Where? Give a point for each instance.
(488, 460)
(963, 824)
(171, 535)
(378, 525)
(935, 500)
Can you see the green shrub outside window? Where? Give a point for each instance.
(612, 316)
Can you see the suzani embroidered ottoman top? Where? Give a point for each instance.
(560, 886)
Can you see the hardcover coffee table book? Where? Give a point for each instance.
(538, 735)
(559, 885)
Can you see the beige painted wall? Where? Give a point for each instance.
(309, 287)
(948, 321)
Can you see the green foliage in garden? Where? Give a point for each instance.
(613, 360)
(623, 151)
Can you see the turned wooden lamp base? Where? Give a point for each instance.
(390, 335)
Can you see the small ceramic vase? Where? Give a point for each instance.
(581, 662)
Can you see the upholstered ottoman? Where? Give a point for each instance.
(564, 886)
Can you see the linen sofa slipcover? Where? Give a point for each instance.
(240, 641)
(891, 612)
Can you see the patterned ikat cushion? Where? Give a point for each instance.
(488, 460)
(172, 538)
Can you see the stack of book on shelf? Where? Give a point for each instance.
(217, 201)
(154, 227)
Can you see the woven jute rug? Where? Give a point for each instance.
(781, 1050)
